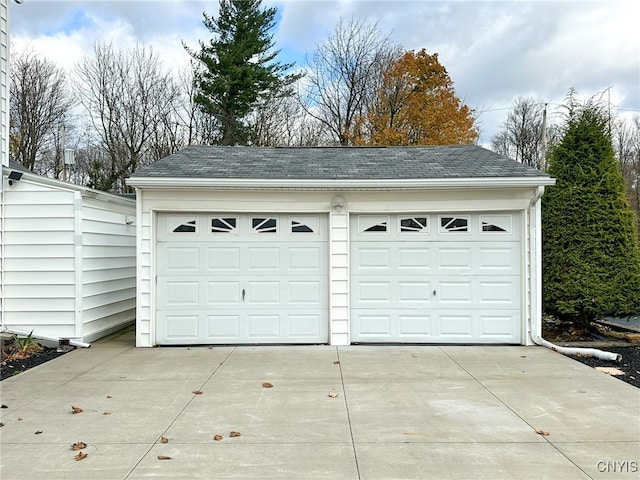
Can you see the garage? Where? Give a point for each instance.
(338, 245)
(436, 278)
(226, 278)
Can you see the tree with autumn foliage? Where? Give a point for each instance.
(416, 105)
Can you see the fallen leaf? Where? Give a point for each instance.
(78, 446)
(267, 385)
(75, 409)
(109, 396)
(164, 440)
(234, 434)
(1, 424)
(610, 370)
(542, 432)
(81, 456)
(218, 437)
(337, 362)
(163, 457)
(4, 406)
(197, 392)
(38, 432)
(333, 394)
(523, 356)
(19, 419)
(107, 413)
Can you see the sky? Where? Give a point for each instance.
(494, 52)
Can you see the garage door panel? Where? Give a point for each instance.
(304, 325)
(226, 293)
(498, 292)
(458, 259)
(223, 260)
(371, 258)
(304, 259)
(455, 292)
(181, 327)
(261, 258)
(304, 292)
(263, 326)
(413, 292)
(503, 259)
(223, 327)
(371, 292)
(415, 326)
(263, 292)
(498, 325)
(456, 324)
(414, 259)
(180, 259)
(374, 324)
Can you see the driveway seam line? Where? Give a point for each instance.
(346, 404)
(544, 437)
(172, 422)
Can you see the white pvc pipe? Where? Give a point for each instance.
(575, 351)
(75, 343)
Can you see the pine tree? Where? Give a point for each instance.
(591, 257)
(237, 68)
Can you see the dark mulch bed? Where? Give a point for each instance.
(11, 367)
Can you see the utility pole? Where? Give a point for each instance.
(543, 140)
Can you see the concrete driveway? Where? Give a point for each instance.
(357, 412)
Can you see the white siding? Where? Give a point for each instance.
(68, 262)
(39, 259)
(108, 268)
(4, 83)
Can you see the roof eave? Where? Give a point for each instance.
(334, 184)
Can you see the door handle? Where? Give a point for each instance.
(243, 294)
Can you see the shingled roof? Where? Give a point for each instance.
(337, 163)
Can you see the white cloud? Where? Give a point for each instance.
(493, 51)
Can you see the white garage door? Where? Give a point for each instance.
(436, 278)
(237, 278)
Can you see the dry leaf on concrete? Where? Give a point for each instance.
(197, 392)
(267, 385)
(234, 434)
(78, 446)
(38, 432)
(75, 409)
(107, 413)
(163, 457)
(333, 394)
(164, 440)
(81, 456)
(541, 432)
(218, 437)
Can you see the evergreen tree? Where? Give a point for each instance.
(591, 257)
(237, 68)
